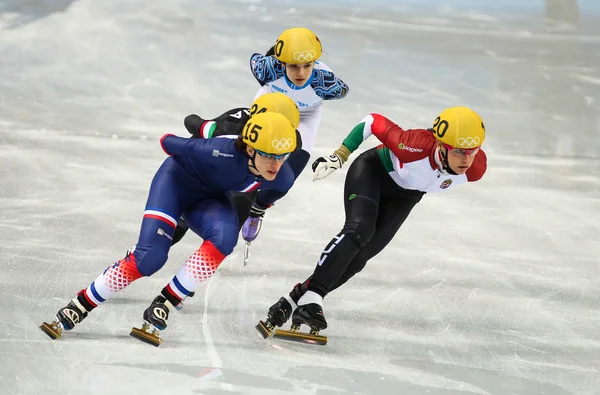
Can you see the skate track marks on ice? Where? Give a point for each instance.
(488, 289)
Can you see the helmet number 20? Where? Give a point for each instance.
(440, 127)
(252, 134)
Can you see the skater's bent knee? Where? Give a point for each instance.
(361, 230)
(224, 239)
(149, 261)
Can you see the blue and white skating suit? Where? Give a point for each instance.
(323, 85)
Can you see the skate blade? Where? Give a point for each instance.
(145, 336)
(300, 337)
(263, 329)
(51, 331)
(246, 252)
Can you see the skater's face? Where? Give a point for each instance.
(267, 165)
(459, 160)
(299, 74)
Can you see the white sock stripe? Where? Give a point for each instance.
(90, 295)
(310, 297)
(101, 287)
(291, 302)
(174, 288)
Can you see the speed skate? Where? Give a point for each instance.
(294, 334)
(148, 334)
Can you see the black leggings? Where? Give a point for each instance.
(375, 208)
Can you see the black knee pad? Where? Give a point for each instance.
(360, 230)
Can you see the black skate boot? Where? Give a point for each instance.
(281, 311)
(155, 320)
(66, 319)
(310, 314)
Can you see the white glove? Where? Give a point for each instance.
(325, 165)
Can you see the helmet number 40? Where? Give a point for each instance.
(255, 110)
(278, 47)
(440, 127)
(252, 134)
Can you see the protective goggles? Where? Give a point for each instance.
(272, 156)
(462, 152)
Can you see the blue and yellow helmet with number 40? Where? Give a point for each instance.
(270, 133)
(298, 45)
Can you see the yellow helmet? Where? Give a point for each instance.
(277, 102)
(459, 127)
(297, 46)
(270, 133)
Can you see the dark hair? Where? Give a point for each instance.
(240, 144)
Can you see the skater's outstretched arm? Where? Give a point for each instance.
(405, 144)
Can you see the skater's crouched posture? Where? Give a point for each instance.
(195, 181)
(382, 186)
(231, 124)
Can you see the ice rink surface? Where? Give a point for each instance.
(492, 288)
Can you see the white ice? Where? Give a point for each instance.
(489, 289)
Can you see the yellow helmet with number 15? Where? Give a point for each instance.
(270, 133)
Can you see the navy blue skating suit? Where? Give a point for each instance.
(196, 180)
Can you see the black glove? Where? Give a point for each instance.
(256, 211)
(193, 123)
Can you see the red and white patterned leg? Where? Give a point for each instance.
(198, 268)
(114, 279)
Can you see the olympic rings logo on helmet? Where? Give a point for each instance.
(304, 56)
(468, 142)
(282, 144)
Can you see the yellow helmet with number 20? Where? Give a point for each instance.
(459, 127)
(277, 102)
(298, 46)
(270, 133)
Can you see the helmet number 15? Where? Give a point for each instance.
(252, 133)
(440, 127)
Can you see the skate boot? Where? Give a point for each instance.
(155, 320)
(66, 319)
(252, 226)
(309, 313)
(281, 311)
